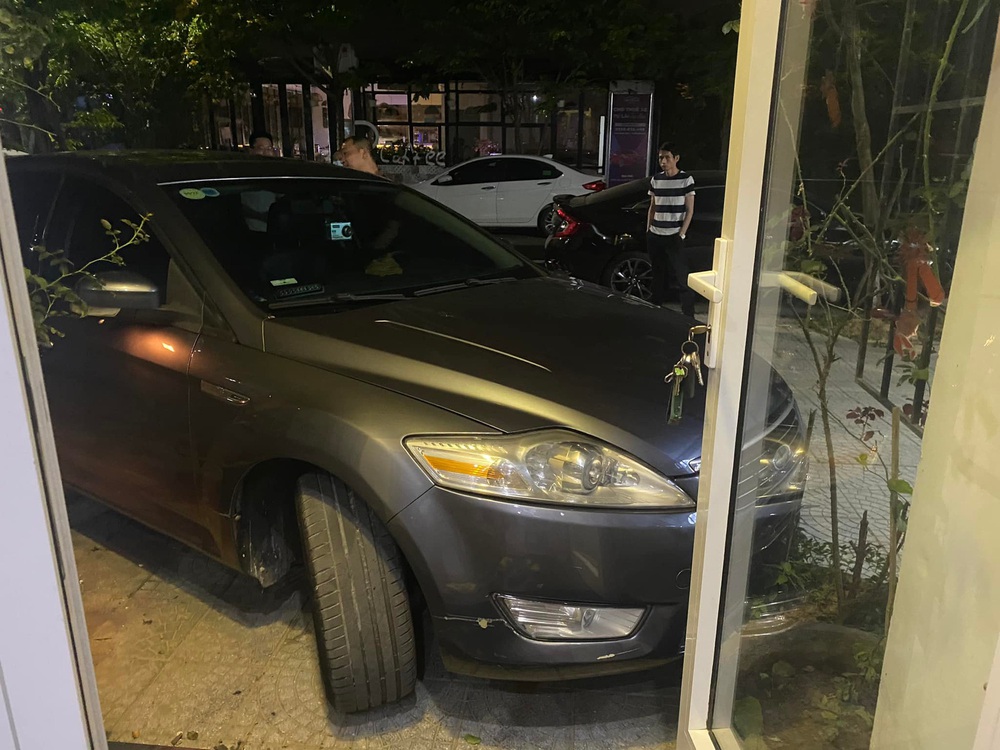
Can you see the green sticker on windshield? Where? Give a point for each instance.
(192, 194)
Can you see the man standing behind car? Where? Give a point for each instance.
(356, 153)
(671, 208)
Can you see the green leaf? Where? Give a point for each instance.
(105, 223)
(900, 487)
(473, 739)
(923, 374)
(9, 49)
(748, 716)
(862, 459)
(783, 669)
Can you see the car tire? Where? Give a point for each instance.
(546, 219)
(364, 628)
(630, 273)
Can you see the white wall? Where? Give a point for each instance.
(947, 614)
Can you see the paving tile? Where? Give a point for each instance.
(214, 699)
(245, 623)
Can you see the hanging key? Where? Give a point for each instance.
(690, 356)
(677, 378)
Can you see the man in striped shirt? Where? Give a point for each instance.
(671, 208)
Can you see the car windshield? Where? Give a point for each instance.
(297, 242)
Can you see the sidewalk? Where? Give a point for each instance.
(858, 489)
(182, 644)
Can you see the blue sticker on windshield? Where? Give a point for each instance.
(210, 192)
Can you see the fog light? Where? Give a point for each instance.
(567, 622)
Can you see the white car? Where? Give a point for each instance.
(507, 191)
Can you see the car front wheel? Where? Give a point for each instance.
(630, 273)
(364, 629)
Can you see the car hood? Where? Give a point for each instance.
(517, 356)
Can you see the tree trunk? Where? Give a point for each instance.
(859, 114)
(860, 553)
(41, 111)
(824, 409)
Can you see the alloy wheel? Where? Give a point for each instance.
(633, 276)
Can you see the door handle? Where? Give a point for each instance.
(489, 187)
(802, 286)
(703, 283)
(224, 394)
(708, 285)
(545, 183)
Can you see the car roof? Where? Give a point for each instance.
(180, 166)
(637, 189)
(516, 156)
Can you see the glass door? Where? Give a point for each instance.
(854, 127)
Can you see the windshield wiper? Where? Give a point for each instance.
(462, 285)
(334, 298)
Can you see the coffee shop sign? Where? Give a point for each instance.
(409, 156)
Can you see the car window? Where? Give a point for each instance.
(530, 169)
(33, 195)
(480, 170)
(328, 237)
(77, 229)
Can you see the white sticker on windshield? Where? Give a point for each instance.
(340, 230)
(283, 282)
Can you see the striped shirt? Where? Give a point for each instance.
(668, 194)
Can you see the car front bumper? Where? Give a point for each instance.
(464, 550)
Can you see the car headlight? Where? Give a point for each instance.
(782, 468)
(781, 460)
(551, 466)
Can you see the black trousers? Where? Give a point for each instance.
(670, 269)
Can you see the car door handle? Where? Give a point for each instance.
(224, 394)
(489, 187)
(545, 183)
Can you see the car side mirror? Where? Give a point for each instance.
(117, 290)
(444, 179)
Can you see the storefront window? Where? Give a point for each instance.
(470, 141)
(480, 106)
(391, 108)
(462, 120)
(429, 108)
(529, 139)
(531, 108)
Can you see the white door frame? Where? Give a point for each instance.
(48, 693)
(735, 255)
